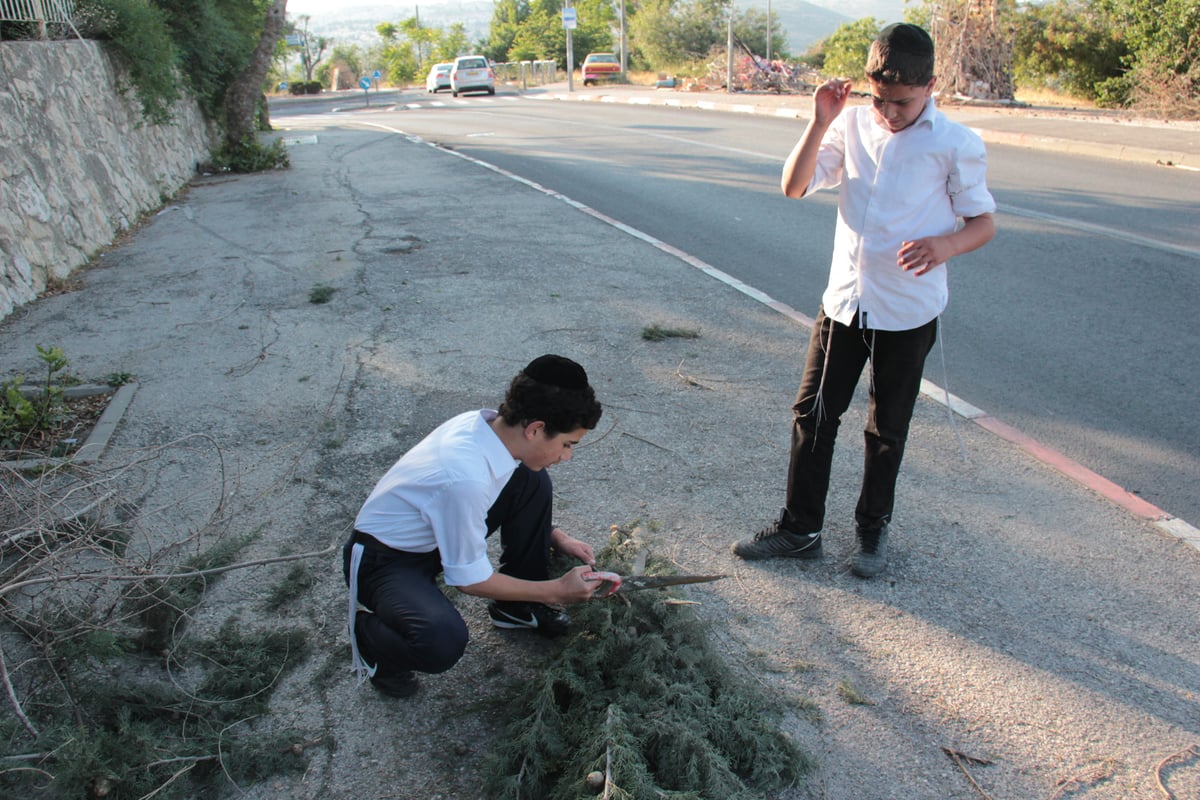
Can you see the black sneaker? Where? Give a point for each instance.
(777, 541)
(546, 620)
(871, 557)
(396, 684)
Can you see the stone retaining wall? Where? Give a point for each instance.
(78, 164)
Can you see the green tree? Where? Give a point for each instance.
(347, 61)
(667, 33)
(312, 48)
(421, 36)
(451, 43)
(750, 27)
(1069, 46)
(846, 48)
(507, 18)
(1163, 58)
(532, 31)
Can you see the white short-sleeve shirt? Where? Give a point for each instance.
(438, 495)
(893, 188)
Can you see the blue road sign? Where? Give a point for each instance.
(365, 83)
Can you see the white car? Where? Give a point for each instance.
(438, 77)
(472, 74)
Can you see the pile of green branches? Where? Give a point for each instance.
(639, 695)
(118, 700)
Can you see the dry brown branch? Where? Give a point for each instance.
(165, 576)
(961, 760)
(608, 757)
(646, 441)
(689, 380)
(1186, 754)
(179, 774)
(1086, 777)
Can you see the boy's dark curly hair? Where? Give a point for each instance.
(554, 390)
(901, 54)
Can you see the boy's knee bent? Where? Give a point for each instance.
(442, 645)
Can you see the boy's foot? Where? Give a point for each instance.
(546, 620)
(776, 541)
(396, 684)
(871, 557)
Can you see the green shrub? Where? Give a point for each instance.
(22, 416)
(136, 31)
(250, 155)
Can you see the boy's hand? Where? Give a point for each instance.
(829, 99)
(572, 547)
(922, 255)
(576, 588)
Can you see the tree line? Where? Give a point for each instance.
(1114, 53)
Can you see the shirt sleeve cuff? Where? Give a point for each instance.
(467, 574)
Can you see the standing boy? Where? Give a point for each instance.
(432, 512)
(906, 176)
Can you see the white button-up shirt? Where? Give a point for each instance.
(895, 187)
(438, 495)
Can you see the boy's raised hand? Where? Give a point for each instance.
(829, 99)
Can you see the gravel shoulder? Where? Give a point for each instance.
(1044, 635)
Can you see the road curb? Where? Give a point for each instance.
(91, 449)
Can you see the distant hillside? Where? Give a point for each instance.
(355, 24)
(804, 22)
(883, 10)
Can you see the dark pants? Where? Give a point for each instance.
(415, 627)
(836, 356)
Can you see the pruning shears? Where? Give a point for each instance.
(611, 582)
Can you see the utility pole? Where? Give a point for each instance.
(624, 59)
(568, 18)
(768, 33)
(729, 55)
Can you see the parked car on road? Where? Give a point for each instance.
(438, 77)
(472, 74)
(600, 66)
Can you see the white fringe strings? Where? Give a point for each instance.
(360, 667)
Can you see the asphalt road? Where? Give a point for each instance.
(1071, 325)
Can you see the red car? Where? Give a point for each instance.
(600, 66)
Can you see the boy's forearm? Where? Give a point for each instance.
(801, 163)
(974, 234)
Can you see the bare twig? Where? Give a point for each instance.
(960, 760)
(179, 774)
(689, 380)
(646, 441)
(13, 700)
(165, 576)
(1091, 775)
(1186, 754)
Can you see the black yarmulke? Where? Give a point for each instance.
(904, 37)
(557, 371)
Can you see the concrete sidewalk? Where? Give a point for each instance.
(1023, 620)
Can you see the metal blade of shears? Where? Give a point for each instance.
(632, 583)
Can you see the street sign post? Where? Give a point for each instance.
(570, 19)
(365, 83)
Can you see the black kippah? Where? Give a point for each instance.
(904, 37)
(557, 371)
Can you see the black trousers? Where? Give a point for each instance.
(836, 356)
(414, 626)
